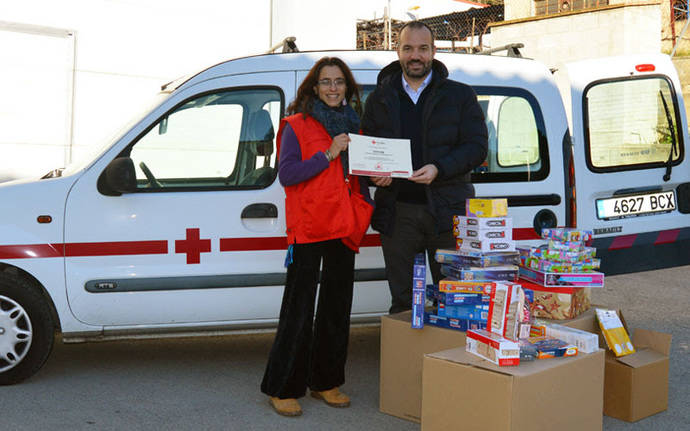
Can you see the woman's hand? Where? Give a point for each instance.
(339, 144)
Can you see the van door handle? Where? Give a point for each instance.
(262, 210)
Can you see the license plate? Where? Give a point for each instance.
(635, 205)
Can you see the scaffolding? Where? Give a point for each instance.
(461, 31)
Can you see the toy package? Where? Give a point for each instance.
(464, 311)
(566, 245)
(585, 342)
(566, 234)
(547, 347)
(486, 207)
(418, 290)
(614, 332)
(493, 347)
(455, 298)
(473, 233)
(453, 286)
(506, 273)
(563, 279)
(586, 265)
(557, 303)
(453, 323)
(485, 245)
(476, 259)
(483, 222)
(566, 256)
(505, 310)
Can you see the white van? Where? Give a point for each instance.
(177, 227)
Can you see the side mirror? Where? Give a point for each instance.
(118, 177)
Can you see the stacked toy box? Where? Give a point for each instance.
(560, 273)
(485, 254)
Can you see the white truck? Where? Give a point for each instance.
(177, 226)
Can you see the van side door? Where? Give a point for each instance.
(200, 241)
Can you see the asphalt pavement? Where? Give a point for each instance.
(212, 383)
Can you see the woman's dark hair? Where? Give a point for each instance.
(305, 93)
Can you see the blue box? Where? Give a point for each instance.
(453, 323)
(418, 291)
(455, 298)
(467, 311)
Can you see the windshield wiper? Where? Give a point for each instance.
(674, 144)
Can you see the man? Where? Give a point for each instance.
(414, 99)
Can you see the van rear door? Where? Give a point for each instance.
(632, 178)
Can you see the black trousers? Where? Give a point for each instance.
(414, 231)
(310, 352)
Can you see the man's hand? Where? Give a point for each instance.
(381, 181)
(424, 175)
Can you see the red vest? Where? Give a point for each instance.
(320, 208)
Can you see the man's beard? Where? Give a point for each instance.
(413, 74)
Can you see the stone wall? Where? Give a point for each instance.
(683, 67)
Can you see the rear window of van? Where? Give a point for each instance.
(631, 124)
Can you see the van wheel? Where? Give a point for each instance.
(27, 329)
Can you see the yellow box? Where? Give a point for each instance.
(486, 207)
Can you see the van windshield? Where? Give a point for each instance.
(631, 124)
(94, 154)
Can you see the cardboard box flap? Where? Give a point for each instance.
(641, 357)
(461, 356)
(659, 341)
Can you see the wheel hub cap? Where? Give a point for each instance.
(16, 333)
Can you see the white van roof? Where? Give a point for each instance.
(471, 69)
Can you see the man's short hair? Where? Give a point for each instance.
(417, 25)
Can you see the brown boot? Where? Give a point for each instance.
(286, 406)
(332, 397)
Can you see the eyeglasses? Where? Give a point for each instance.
(327, 83)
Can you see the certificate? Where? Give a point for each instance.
(379, 157)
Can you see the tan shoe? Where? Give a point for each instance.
(286, 406)
(332, 397)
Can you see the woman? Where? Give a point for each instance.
(327, 213)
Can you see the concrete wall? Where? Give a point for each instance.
(112, 56)
(518, 9)
(579, 35)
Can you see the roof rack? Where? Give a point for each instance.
(512, 49)
(288, 45)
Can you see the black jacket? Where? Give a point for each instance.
(454, 138)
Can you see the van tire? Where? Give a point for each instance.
(24, 311)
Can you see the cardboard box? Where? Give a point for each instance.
(636, 385)
(552, 394)
(402, 353)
